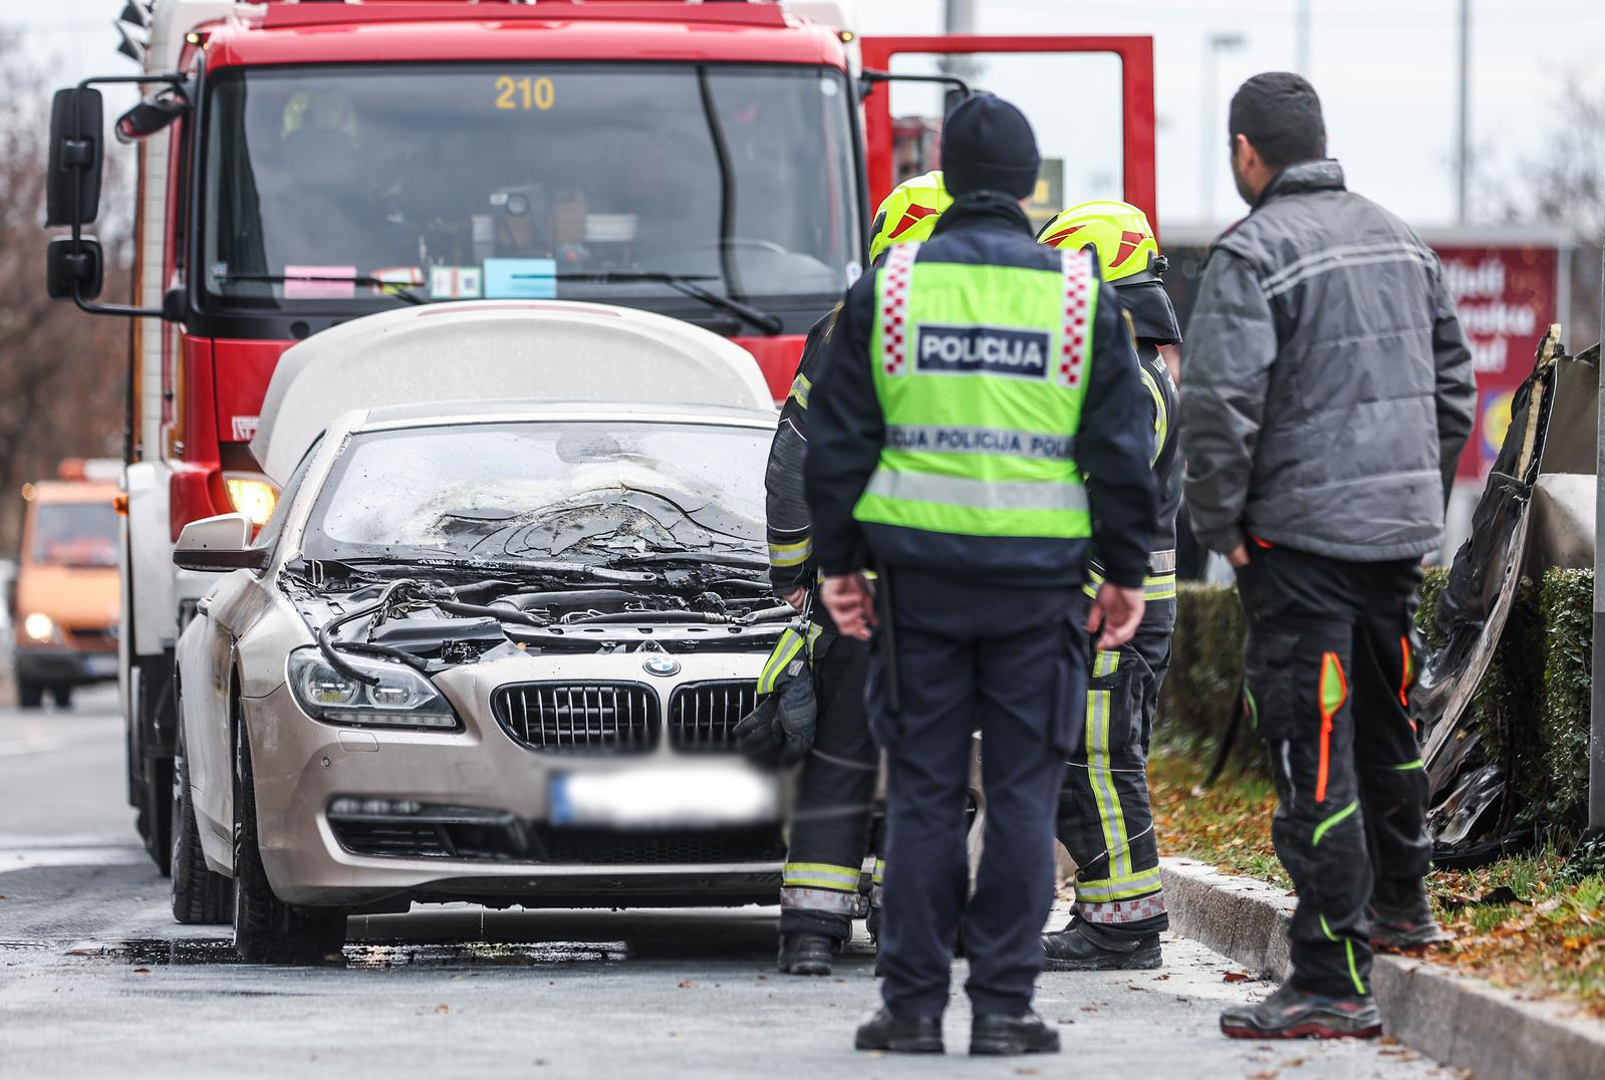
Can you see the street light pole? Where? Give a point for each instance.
(1301, 37)
(1208, 137)
(1462, 147)
(1596, 740)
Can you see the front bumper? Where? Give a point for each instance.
(507, 850)
(59, 666)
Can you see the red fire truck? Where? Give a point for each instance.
(304, 164)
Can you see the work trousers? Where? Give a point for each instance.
(1330, 660)
(1105, 822)
(830, 819)
(1013, 662)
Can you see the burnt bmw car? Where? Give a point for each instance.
(489, 652)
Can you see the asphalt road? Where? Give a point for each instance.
(97, 980)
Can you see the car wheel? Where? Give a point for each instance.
(200, 895)
(30, 695)
(267, 930)
(156, 815)
(63, 695)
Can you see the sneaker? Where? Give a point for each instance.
(1075, 949)
(900, 1034)
(1405, 928)
(806, 954)
(1297, 1014)
(996, 1034)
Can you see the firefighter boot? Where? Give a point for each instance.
(1291, 1013)
(1081, 947)
(806, 954)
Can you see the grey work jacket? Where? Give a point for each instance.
(1327, 389)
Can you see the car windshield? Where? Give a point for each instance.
(592, 492)
(329, 188)
(75, 534)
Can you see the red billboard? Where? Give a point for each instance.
(1506, 296)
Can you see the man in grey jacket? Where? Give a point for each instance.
(1328, 394)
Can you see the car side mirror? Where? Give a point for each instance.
(219, 543)
(74, 268)
(72, 181)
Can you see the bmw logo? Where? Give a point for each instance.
(661, 666)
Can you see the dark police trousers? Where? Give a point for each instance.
(830, 818)
(1329, 663)
(1105, 821)
(1012, 661)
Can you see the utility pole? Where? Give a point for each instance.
(1596, 740)
(1462, 148)
(1301, 37)
(1209, 141)
(959, 19)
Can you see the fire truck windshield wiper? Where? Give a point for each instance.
(767, 322)
(386, 288)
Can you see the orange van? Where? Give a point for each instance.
(65, 602)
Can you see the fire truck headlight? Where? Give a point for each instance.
(39, 627)
(252, 496)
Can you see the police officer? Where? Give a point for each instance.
(978, 410)
(1104, 818)
(831, 810)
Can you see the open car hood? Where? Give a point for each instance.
(496, 351)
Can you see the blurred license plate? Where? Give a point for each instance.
(697, 796)
(101, 665)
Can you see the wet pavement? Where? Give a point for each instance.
(97, 980)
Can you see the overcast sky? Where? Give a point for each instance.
(1386, 70)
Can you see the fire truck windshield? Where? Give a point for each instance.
(350, 189)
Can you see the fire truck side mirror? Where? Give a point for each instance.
(151, 115)
(75, 269)
(72, 190)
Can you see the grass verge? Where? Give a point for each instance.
(1530, 922)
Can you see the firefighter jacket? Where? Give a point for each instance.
(979, 413)
(791, 561)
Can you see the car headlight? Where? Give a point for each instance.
(252, 496)
(39, 627)
(401, 698)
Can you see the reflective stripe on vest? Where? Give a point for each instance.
(981, 374)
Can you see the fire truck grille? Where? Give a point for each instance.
(702, 715)
(579, 718)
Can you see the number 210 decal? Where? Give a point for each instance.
(525, 93)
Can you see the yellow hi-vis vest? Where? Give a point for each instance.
(981, 372)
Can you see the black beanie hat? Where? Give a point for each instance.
(987, 145)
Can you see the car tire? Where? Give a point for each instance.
(267, 930)
(156, 815)
(200, 895)
(30, 694)
(63, 695)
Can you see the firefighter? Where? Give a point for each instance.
(967, 384)
(831, 810)
(1104, 819)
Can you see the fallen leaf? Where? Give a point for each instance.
(142, 971)
(1268, 1074)
(1160, 978)
(1292, 1063)
(1235, 976)
(687, 984)
(1066, 1020)
(1089, 1008)
(443, 1008)
(1389, 1040)
(1024, 1070)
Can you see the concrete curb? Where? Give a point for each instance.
(1456, 1019)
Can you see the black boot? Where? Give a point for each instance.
(900, 1034)
(995, 1033)
(806, 954)
(1298, 1014)
(1404, 926)
(1079, 947)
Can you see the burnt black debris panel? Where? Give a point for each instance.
(326, 642)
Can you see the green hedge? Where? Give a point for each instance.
(1532, 704)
